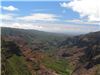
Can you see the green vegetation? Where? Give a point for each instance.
(33, 35)
(17, 66)
(12, 61)
(48, 52)
(98, 70)
(61, 66)
(36, 65)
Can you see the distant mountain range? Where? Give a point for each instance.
(31, 52)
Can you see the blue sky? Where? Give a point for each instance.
(52, 16)
(42, 7)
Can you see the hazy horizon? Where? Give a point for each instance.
(52, 16)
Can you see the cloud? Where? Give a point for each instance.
(80, 21)
(6, 17)
(52, 27)
(37, 26)
(89, 9)
(9, 8)
(13, 21)
(39, 17)
(21, 25)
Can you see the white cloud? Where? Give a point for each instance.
(6, 17)
(26, 26)
(80, 21)
(9, 8)
(21, 25)
(39, 17)
(37, 26)
(52, 27)
(12, 20)
(89, 9)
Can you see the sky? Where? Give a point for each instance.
(70, 16)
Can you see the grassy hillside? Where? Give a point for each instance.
(32, 35)
(12, 61)
(61, 66)
(84, 52)
(49, 53)
(37, 41)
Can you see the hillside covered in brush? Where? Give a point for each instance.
(44, 53)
